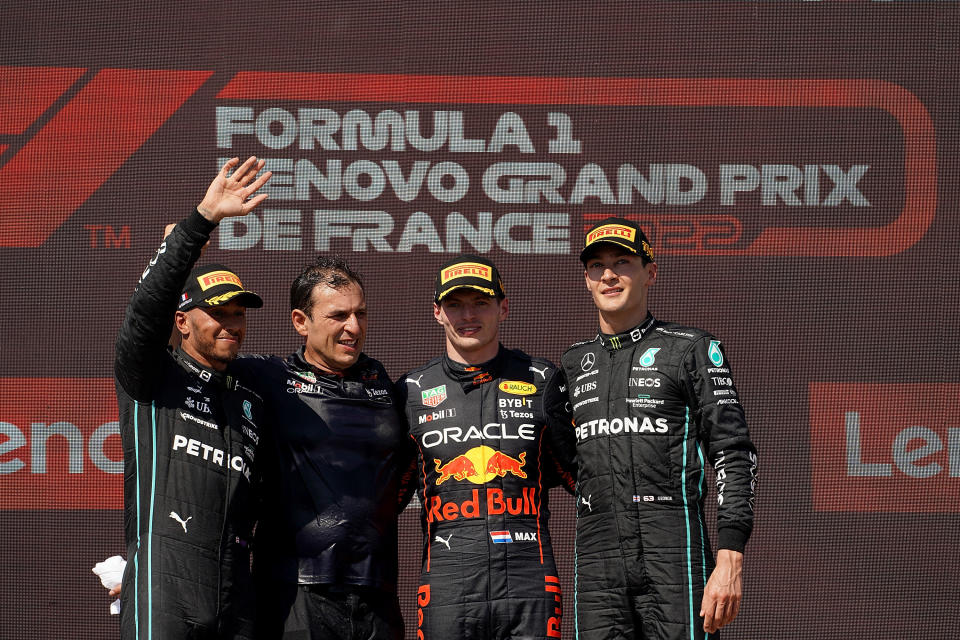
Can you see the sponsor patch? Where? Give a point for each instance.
(463, 269)
(610, 231)
(517, 388)
(214, 278)
(433, 397)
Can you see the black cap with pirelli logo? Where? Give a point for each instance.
(468, 271)
(619, 231)
(214, 284)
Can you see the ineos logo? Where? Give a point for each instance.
(588, 361)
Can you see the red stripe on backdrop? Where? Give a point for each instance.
(26, 92)
(83, 145)
(885, 448)
(920, 153)
(59, 444)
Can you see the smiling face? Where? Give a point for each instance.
(618, 282)
(471, 323)
(212, 335)
(335, 328)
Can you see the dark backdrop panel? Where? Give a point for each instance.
(794, 162)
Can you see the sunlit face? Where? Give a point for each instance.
(471, 322)
(618, 282)
(213, 335)
(336, 327)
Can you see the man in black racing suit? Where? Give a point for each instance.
(650, 399)
(189, 432)
(478, 421)
(325, 559)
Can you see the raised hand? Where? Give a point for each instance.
(227, 196)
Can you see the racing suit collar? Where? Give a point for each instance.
(222, 379)
(298, 359)
(626, 338)
(471, 376)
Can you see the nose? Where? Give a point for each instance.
(234, 324)
(608, 274)
(352, 325)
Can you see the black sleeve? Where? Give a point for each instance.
(559, 436)
(142, 340)
(407, 458)
(724, 434)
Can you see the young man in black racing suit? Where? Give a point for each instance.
(189, 432)
(325, 559)
(477, 418)
(650, 400)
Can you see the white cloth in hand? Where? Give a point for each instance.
(111, 574)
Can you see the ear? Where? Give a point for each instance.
(586, 279)
(504, 309)
(651, 272)
(180, 322)
(300, 322)
(436, 313)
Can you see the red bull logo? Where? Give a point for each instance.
(502, 464)
(479, 465)
(492, 502)
(459, 468)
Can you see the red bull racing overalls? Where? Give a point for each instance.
(484, 466)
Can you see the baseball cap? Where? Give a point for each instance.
(214, 284)
(469, 271)
(618, 231)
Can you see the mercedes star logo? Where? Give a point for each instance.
(588, 361)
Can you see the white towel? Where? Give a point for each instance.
(111, 574)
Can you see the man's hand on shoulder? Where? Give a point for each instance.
(724, 590)
(227, 196)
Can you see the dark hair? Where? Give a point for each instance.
(332, 271)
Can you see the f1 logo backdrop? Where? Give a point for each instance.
(63, 117)
(107, 116)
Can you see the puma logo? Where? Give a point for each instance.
(542, 372)
(586, 501)
(416, 381)
(183, 523)
(446, 542)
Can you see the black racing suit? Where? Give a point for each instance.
(189, 435)
(484, 469)
(648, 405)
(331, 467)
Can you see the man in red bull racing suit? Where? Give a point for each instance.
(477, 419)
(651, 400)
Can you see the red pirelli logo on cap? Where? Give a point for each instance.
(464, 269)
(612, 232)
(214, 278)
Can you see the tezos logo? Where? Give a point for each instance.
(714, 353)
(649, 356)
